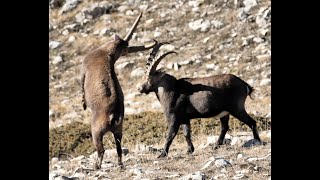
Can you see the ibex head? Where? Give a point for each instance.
(123, 44)
(153, 77)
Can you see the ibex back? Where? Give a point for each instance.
(189, 98)
(102, 92)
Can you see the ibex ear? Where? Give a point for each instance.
(116, 37)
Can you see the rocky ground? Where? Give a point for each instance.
(210, 37)
(241, 158)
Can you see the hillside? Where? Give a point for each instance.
(210, 37)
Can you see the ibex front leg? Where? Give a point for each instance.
(173, 130)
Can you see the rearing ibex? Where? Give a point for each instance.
(189, 98)
(101, 91)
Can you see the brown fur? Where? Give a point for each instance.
(102, 92)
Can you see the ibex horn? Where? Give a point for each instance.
(129, 35)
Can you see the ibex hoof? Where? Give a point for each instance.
(163, 154)
(122, 167)
(96, 166)
(216, 147)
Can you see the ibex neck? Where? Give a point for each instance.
(165, 97)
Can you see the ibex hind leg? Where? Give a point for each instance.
(117, 137)
(187, 135)
(97, 136)
(243, 116)
(224, 129)
(116, 129)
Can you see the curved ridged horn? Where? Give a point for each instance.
(155, 63)
(135, 24)
(153, 55)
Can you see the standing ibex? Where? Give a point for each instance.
(189, 98)
(102, 93)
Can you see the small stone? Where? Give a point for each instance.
(65, 32)
(54, 44)
(205, 40)
(157, 34)
(54, 161)
(265, 82)
(210, 66)
(57, 60)
(240, 156)
(71, 39)
(222, 163)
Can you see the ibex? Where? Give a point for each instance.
(188, 98)
(101, 91)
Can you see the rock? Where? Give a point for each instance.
(252, 142)
(167, 47)
(125, 65)
(79, 175)
(65, 32)
(194, 3)
(217, 24)
(239, 176)
(136, 171)
(156, 34)
(98, 9)
(122, 8)
(220, 175)
(263, 32)
(205, 40)
(194, 176)
(208, 163)
(185, 62)
(212, 139)
(57, 60)
(71, 39)
(80, 17)
(265, 82)
(139, 72)
(258, 40)
(258, 159)
(51, 113)
(203, 25)
(149, 21)
(143, 7)
(249, 4)
(54, 44)
(263, 57)
(53, 4)
(69, 5)
(261, 22)
(210, 66)
(234, 35)
(172, 176)
(242, 15)
(104, 31)
(52, 176)
(54, 161)
(222, 163)
(234, 141)
(72, 27)
(79, 158)
(239, 156)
